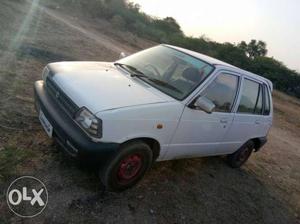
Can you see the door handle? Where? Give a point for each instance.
(257, 122)
(223, 121)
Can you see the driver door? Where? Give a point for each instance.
(200, 133)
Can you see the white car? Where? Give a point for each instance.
(162, 103)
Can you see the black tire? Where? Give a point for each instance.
(238, 158)
(127, 167)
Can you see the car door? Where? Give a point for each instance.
(200, 133)
(249, 121)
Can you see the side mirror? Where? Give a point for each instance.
(205, 104)
(122, 55)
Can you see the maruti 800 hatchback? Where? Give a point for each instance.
(162, 103)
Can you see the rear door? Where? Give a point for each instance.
(249, 121)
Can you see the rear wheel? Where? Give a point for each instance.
(238, 158)
(127, 167)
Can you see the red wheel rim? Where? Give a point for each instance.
(129, 168)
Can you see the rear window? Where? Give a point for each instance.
(251, 100)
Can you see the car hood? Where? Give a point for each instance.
(101, 86)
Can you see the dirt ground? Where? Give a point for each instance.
(204, 190)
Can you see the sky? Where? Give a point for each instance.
(277, 22)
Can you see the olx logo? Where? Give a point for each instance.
(27, 196)
(23, 196)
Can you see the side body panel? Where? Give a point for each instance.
(202, 134)
(123, 124)
(186, 132)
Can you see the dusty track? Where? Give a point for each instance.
(204, 190)
(98, 38)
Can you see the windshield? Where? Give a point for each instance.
(171, 71)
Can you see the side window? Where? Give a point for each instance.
(222, 92)
(252, 98)
(266, 101)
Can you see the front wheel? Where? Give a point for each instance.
(238, 158)
(127, 167)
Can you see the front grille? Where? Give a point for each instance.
(61, 98)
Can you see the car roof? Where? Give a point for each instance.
(221, 64)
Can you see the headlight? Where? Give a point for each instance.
(45, 73)
(89, 122)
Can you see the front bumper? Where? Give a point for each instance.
(67, 133)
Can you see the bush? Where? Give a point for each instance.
(118, 22)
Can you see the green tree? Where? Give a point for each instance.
(254, 48)
(168, 25)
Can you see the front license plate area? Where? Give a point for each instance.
(46, 124)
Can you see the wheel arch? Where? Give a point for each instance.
(258, 142)
(151, 142)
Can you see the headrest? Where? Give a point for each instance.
(191, 74)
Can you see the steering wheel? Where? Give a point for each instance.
(153, 68)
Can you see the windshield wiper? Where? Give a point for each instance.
(164, 84)
(134, 72)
